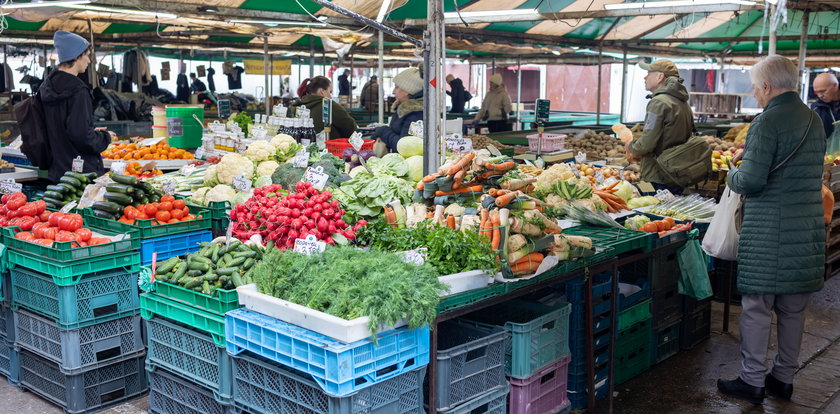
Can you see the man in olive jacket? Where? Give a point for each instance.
(668, 122)
(781, 251)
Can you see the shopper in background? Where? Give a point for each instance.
(781, 251)
(408, 90)
(196, 85)
(827, 106)
(68, 110)
(457, 93)
(668, 122)
(344, 84)
(496, 106)
(312, 93)
(369, 98)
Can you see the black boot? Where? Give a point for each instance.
(739, 389)
(777, 388)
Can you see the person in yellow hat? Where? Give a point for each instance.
(496, 106)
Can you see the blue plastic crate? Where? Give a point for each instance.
(7, 323)
(98, 297)
(625, 302)
(260, 386)
(9, 362)
(600, 321)
(171, 246)
(580, 398)
(577, 374)
(79, 349)
(190, 353)
(492, 402)
(601, 292)
(599, 341)
(339, 368)
(22, 161)
(173, 394)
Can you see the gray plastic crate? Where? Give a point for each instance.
(7, 323)
(9, 362)
(171, 394)
(260, 386)
(492, 402)
(471, 361)
(84, 392)
(79, 349)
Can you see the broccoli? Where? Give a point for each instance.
(287, 175)
(315, 155)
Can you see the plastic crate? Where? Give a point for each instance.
(661, 269)
(146, 228)
(261, 386)
(577, 320)
(5, 288)
(578, 373)
(492, 402)
(665, 342)
(216, 209)
(79, 349)
(71, 251)
(339, 368)
(9, 361)
(544, 392)
(219, 303)
(599, 346)
(86, 391)
(539, 334)
(171, 246)
(152, 305)
(337, 146)
(634, 314)
(22, 161)
(190, 353)
(666, 306)
(550, 142)
(173, 394)
(691, 305)
(625, 302)
(470, 362)
(697, 327)
(621, 240)
(638, 332)
(69, 273)
(95, 298)
(601, 292)
(633, 360)
(579, 399)
(7, 323)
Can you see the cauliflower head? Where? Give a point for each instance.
(233, 165)
(210, 178)
(220, 192)
(557, 172)
(260, 151)
(266, 168)
(282, 141)
(199, 196)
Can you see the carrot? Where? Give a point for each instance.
(492, 192)
(429, 178)
(450, 222)
(459, 180)
(530, 258)
(390, 216)
(483, 226)
(461, 163)
(610, 187)
(430, 215)
(475, 189)
(527, 264)
(496, 238)
(505, 199)
(421, 185)
(502, 166)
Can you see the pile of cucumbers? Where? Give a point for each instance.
(70, 187)
(124, 191)
(215, 266)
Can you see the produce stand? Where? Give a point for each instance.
(163, 165)
(20, 174)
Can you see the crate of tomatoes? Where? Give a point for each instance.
(157, 219)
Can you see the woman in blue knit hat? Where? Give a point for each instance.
(68, 110)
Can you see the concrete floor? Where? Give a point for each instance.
(683, 384)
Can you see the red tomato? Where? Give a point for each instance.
(27, 222)
(49, 233)
(65, 236)
(70, 222)
(84, 234)
(173, 221)
(186, 210)
(16, 201)
(142, 216)
(41, 205)
(188, 217)
(54, 217)
(130, 213)
(45, 216)
(165, 206)
(44, 242)
(167, 198)
(163, 217)
(177, 214)
(179, 204)
(150, 210)
(25, 235)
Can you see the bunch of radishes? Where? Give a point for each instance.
(281, 217)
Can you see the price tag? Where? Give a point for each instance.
(118, 167)
(16, 144)
(356, 141)
(575, 170)
(241, 183)
(199, 153)
(169, 187)
(416, 256)
(279, 110)
(187, 170)
(305, 142)
(317, 177)
(663, 195)
(78, 164)
(303, 112)
(217, 127)
(599, 177)
(10, 186)
(309, 245)
(321, 140)
(229, 233)
(258, 132)
(580, 158)
(240, 146)
(148, 142)
(223, 105)
(459, 145)
(301, 159)
(69, 207)
(416, 129)
(174, 127)
(645, 187)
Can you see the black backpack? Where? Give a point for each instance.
(33, 132)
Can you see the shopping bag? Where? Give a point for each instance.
(721, 239)
(694, 269)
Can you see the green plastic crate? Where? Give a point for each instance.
(145, 227)
(219, 303)
(217, 209)
(460, 300)
(69, 251)
(152, 305)
(621, 240)
(634, 314)
(69, 273)
(632, 353)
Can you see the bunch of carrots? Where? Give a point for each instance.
(496, 169)
(491, 227)
(503, 197)
(457, 172)
(528, 264)
(614, 202)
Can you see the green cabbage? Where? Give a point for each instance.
(410, 146)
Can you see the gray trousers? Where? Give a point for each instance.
(755, 335)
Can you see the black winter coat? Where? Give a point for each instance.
(829, 113)
(343, 85)
(68, 111)
(408, 112)
(458, 95)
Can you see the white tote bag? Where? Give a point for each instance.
(721, 239)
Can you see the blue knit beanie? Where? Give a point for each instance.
(69, 45)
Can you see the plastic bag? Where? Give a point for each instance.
(721, 240)
(694, 269)
(833, 147)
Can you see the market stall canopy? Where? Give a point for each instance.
(529, 28)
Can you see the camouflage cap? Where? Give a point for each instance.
(663, 65)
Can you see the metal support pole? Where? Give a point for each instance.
(518, 91)
(5, 63)
(324, 63)
(380, 74)
(600, 62)
(350, 97)
(623, 84)
(772, 49)
(267, 75)
(137, 78)
(803, 47)
(311, 56)
(271, 76)
(433, 127)
(92, 78)
(493, 62)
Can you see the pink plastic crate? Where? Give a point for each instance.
(543, 392)
(550, 142)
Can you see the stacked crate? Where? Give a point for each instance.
(75, 321)
(633, 341)
(9, 361)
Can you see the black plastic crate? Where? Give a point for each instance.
(661, 269)
(725, 269)
(697, 327)
(172, 394)
(665, 342)
(667, 305)
(691, 305)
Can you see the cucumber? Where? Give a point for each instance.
(103, 214)
(81, 177)
(125, 179)
(200, 266)
(193, 283)
(205, 288)
(109, 207)
(53, 195)
(167, 265)
(237, 280)
(237, 261)
(204, 251)
(182, 270)
(57, 188)
(91, 176)
(194, 273)
(246, 254)
(201, 259)
(71, 182)
(227, 271)
(248, 263)
(119, 198)
(119, 188)
(67, 189)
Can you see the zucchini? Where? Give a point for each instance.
(144, 200)
(108, 206)
(57, 188)
(119, 188)
(103, 214)
(91, 176)
(125, 179)
(119, 198)
(81, 177)
(205, 288)
(68, 189)
(194, 273)
(54, 195)
(50, 200)
(167, 265)
(71, 182)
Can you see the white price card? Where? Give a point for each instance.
(148, 142)
(240, 146)
(199, 153)
(416, 256)
(416, 129)
(169, 187)
(118, 167)
(279, 110)
(242, 183)
(599, 177)
(458, 144)
(69, 207)
(303, 112)
(258, 132)
(317, 177)
(309, 245)
(356, 141)
(217, 127)
(10, 186)
(574, 168)
(187, 170)
(663, 195)
(78, 164)
(580, 157)
(301, 159)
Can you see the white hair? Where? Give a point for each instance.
(779, 72)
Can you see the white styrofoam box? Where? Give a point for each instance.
(465, 281)
(323, 323)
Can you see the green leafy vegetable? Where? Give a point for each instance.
(365, 194)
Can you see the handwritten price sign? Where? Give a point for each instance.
(309, 245)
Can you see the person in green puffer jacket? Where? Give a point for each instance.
(668, 122)
(781, 251)
(312, 93)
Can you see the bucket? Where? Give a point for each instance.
(159, 116)
(185, 125)
(158, 131)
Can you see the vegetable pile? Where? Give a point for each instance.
(215, 266)
(135, 169)
(16, 211)
(133, 151)
(47, 227)
(70, 187)
(167, 211)
(124, 192)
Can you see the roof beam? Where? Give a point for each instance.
(731, 39)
